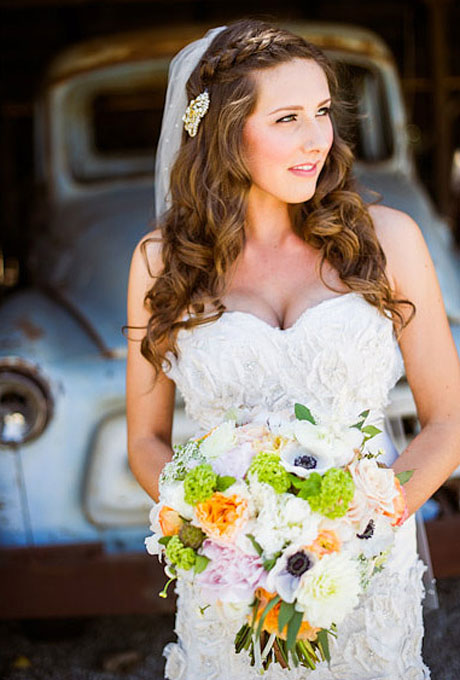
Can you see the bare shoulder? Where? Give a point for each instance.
(398, 234)
(147, 257)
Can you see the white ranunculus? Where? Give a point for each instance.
(330, 590)
(376, 483)
(221, 440)
(172, 495)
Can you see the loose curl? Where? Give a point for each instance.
(202, 233)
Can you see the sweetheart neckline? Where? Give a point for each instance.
(299, 318)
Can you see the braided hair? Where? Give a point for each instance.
(202, 233)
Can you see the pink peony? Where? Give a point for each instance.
(231, 575)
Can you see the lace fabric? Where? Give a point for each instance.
(339, 358)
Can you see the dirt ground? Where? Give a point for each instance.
(114, 647)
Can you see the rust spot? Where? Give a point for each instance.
(30, 330)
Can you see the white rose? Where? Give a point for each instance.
(172, 495)
(376, 483)
(221, 440)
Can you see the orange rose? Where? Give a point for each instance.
(326, 542)
(170, 521)
(306, 631)
(221, 516)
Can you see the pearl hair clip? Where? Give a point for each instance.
(195, 112)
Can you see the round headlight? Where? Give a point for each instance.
(25, 404)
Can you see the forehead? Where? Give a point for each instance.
(299, 81)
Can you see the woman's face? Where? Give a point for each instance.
(288, 136)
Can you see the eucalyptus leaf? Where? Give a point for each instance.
(287, 611)
(224, 482)
(257, 547)
(270, 563)
(303, 413)
(263, 616)
(293, 629)
(164, 540)
(404, 476)
(324, 642)
(201, 563)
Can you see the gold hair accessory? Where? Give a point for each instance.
(195, 112)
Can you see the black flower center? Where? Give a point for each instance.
(299, 563)
(305, 461)
(368, 531)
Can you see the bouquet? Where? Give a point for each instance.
(290, 518)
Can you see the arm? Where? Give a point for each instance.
(149, 404)
(430, 357)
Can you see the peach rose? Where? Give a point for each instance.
(400, 513)
(376, 483)
(170, 521)
(222, 516)
(306, 631)
(326, 542)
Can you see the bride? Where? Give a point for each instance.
(267, 281)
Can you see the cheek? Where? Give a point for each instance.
(263, 151)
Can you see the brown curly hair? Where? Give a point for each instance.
(202, 233)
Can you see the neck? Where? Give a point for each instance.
(268, 223)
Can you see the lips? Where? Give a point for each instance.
(304, 169)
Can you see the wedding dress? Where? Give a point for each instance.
(340, 357)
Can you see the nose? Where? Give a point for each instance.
(316, 135)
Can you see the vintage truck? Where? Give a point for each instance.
(72, 517)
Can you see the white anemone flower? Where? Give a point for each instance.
(285, 576)
(330, 590)
(376, 537)
(318, 447)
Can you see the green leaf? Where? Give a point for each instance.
(224, 482)
(296, 481)
(267, 609)
(287, 611)
(358, 425)
(364, 414)
(257, 547)
(371, 431)
(303, 413)
(293, 629)
(164, 540)
(323, 640)
(201, 563)
(404, 476)
(311, 486)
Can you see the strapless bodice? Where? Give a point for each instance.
(339, 358)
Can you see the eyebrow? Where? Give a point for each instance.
(295, 107)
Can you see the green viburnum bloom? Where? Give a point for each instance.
(199, 484)
(266, 465)
(179, 554)
(334, 495)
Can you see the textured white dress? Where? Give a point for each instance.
(340, 357)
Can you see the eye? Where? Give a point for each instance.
(325, 111)
(283, 119)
